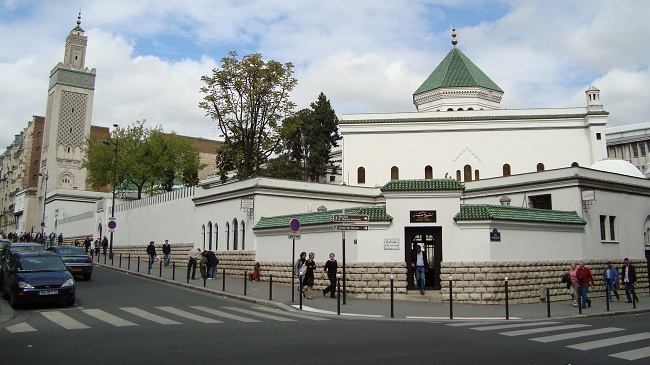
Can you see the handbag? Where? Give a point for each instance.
(303, 270)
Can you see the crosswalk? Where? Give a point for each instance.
(85, 318)
(577, 336)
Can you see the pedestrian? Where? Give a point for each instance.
(628, 277)
(256, 274)
(211, 263)
(610, 274)
(572, 283)
(330, 268)
(419, 262)
(167, 252)
(53, 238)
(193, 254)
(202, 261)
(76, 243)
(299, 269)
(151, 251)
(584, 279)
(60, 239)
(104, 244)
(308, 280)
(87, 242)
(97, 247)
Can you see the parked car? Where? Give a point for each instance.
(36, 277)
(75, 259)
(7, 250)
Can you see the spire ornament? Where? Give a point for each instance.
(454, 41)
(79, 18)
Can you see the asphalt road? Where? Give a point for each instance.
(121, 319)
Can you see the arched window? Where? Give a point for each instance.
(467, 173)
(243, 235)
(506, 170)
(460, 109)
(470, 108)
(209, 236)
(575, 164)
(227, 236)
(540, 167)
(428, 172)
(394, 173)
(216, 236)
(203, 233)
(450, 109)
(476, 175)
(458, 175)
(361, 175)
(234, 234)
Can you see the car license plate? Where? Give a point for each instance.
(75, 269)
(48, 292)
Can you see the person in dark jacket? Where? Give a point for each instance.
(167, 251)
(330, 269)
(628, 278)
(212, 263)
(151, 251)
(104, 244)
(584, 279)
(419, 264)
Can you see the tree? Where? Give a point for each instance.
(248, 98)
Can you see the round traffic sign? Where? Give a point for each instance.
(112, 224)
(42, 224)
(294, 225)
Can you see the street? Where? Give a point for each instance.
(124, 319)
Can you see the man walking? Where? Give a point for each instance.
(211, 264)
(193, 254)
(151, 251)
(330, 269)
(104, 244)
(628, 277)
(584, 279)
(167, 251)
(611, 281)
(419, 262)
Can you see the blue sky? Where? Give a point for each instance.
(367, 56)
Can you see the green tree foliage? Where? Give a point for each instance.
(146, 158)
(307, 139)
(248, 98)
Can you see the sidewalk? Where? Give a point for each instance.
(372, 308)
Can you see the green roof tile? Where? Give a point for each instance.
(456, 70)
(422, 185)
(515, 214)
(375, 214)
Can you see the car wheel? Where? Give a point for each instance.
(4, 293)
(13, 301)
(87, 276)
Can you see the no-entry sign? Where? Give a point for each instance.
(112, 224)
(294, 225)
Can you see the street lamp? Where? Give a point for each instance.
(45, 177)
(115, 143)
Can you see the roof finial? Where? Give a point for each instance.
(79, 18)
(454, 41)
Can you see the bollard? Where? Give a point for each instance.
(128, 263)
(548, 303)
(138, 263)
(271, 287)
(246, 281)
(223, 280)
(148, 266)
(112, 259)
(507, 307)
(451, 299)
(607, 296)
(104, 258)
(205, 277)
(579, 301)
(338, 294)
(160, 269)
(634, 297)
(392, 314)
(301, 295)
(174, 270)
(188, 273)
(120, 262)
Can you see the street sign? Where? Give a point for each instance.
(294, 225)
(294, 236)
(42, 224)
(344, 218)
(352, 228)
(112, 224)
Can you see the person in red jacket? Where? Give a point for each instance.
(584, 279)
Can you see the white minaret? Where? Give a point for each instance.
(67, 119)
(593, 99)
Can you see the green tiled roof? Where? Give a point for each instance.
(374, 213)
(515, 214)
(422, 185)
(456, 70)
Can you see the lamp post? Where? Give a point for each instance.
(110, 247)
(45, 176)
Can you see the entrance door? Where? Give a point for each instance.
(430, 238)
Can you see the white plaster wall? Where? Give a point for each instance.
(277, 247)
(533, 244)
(83, 227)
(220, 213)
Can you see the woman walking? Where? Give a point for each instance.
(308, 281)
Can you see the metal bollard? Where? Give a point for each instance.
(205, 278)
(607, 297)
(128, 263)
(579, 301)
(223, 279)
(104, 258)
(392, 313)
(148, 265)
(548, 303)
(138, 263)
(507, 307)
(112, 259)
(634, 297)
(301, 295)
(245, 281)
(188, 273)
(271, 287)
(120, 262)
(174, 270)
(338, 294)
(160, 269)
(451, 299)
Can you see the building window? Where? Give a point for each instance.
(458, 175)
(216, 237)
(243, 235)
(361, 175)
(575, 164)
(332, 178)
(235, 242)
(540, 201)
(607, 228)
(227, 236)
(467, 173)
(394, 173)
(203, 233)
(209, 236)
(450, 109)
(540, 167)
(642, 148)
(476, 175)
(460, 109)
(428, 172)
(635, 150)
(603, 233)
(598, 136)
(506, 170)
(612, 229)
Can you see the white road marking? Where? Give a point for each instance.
(315, 310)
(467, 324)
(188, 315)
(64, 320)
(263, 315)
(150, 316)
(21, 327)
(223, 314)
(108, 318)
(543, 329)
(570, 335)
(462, 318)
(610, 341)
(633, 354)
(517, 325)
(291, 314)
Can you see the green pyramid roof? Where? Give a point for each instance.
(516, 214)
(456, 70)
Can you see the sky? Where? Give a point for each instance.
(366, 56)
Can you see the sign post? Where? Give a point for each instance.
(348, 218)
(294, 226)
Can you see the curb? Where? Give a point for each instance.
(6, 312)
(264, 302)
